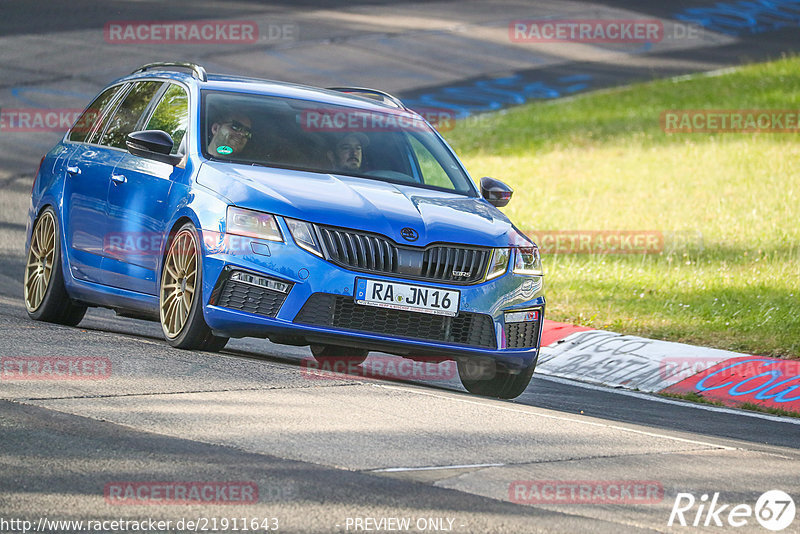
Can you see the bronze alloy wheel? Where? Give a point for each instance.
(41, 260)
(46, 296)
(180, 295)
(178, 283)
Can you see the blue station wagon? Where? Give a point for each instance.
(224, 206)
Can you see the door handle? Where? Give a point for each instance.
(118, 178)
(74, 170)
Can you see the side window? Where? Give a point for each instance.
(432, 171)
(127, 115)
(85, 123)
(172, 115)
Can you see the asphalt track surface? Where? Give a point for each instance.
(322, 451)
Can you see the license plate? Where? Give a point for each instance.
(407, 297)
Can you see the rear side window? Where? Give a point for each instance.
(172, 115)
(89, 118)
(128, 113)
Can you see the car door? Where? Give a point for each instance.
(138, 199)
(88, 171)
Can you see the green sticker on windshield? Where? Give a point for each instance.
(224, 150)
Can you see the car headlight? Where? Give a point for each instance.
(303, 234)
(252, 224)
(498, 264)
(527, 261)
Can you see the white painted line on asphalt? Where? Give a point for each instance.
(559, 418)
(431, 468)
(656, 398)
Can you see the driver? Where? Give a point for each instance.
(348, 152)
(230, 135)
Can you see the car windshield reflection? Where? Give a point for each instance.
(394, 146)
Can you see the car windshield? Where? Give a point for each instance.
(392, 145)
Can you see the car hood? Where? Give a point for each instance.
(360, 203)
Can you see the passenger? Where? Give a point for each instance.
(348, 152)
(230, 135)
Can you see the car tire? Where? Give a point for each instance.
(330, 354)
(499, 382)
(45, 293)
(180, 299)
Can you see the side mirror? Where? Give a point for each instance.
(496, 192)
(152, 144)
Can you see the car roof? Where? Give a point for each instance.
(243, 84)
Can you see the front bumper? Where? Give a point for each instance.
(317, 307)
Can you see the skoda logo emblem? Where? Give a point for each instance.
(409, 234)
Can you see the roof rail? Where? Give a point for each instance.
(384, 97)
(197, 71)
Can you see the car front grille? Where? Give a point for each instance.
(322, 309)
(374, 253)
(522, 335)
(441, 262)
(364, 252)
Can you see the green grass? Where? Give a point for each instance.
(753, 407)
(728, 203)
(693, 397)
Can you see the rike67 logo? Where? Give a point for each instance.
(773, 510)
